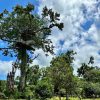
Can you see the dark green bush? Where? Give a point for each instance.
(43, 90)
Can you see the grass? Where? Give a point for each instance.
(56, 98)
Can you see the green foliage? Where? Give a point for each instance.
(84, 69)
(54, 17)
(33, 75)
(25, 32)
(2, 96)
(87, 71)
(91, 61)
(91, 77)
(62, 72)
(22, 27)
(2, 85)
(28, 92)
(12, 95)
(91, 90)
(43, 90)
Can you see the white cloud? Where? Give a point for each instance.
(42, 59)
(5, 67)
(73, 14)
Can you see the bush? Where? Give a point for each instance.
(91, 90)
(43, 90)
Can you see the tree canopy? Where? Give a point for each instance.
(25, 32)
(62, 72)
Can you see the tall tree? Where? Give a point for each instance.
(62, 72)
(24, 32)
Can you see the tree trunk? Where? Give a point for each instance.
(23, 65)
(67, 98)
(59, 97)
(77, 95)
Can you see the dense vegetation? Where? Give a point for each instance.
(25, 32)
(57, 80)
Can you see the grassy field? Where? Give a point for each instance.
(56, 98)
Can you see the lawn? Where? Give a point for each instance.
(56, 98)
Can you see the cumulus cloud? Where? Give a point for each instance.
(81, 29)
(5, 67)
(42, 59)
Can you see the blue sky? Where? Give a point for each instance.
(81, 30)
(86, 25)
(8, 4)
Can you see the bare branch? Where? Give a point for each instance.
(41, 29)
(35, 57)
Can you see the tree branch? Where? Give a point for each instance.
(42, 29)
(35, 57)
(5, 39)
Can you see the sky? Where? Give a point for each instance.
(81, 31)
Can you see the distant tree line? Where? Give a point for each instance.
(58, 80)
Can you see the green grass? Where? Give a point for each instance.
(56, 98)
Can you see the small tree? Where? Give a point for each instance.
(91, 79)
(25, 32)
